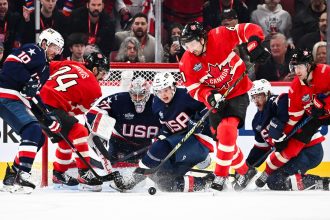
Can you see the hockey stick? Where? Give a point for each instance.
(146, 171)
(105, 178)
(296, 128)
(128, 156)
(273, 148)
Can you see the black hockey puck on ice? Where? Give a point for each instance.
(152, 190)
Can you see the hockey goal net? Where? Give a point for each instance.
(119, 72)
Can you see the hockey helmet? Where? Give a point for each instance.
(259, 87)
(99, 61)
(51, 37)
(139, 91)
(162, 81)
(300, 56)
(192, 31)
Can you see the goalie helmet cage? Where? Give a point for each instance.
(118, 73)
(117, 70)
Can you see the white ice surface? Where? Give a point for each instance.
(47, 203)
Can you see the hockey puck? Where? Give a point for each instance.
(152, 190)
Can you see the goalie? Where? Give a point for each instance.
(127, 121)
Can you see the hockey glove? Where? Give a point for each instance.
(256, 51)
(52, 123)
(276, 128)
(318, 107)
(192, 123)
(216, 100)
(30, 89)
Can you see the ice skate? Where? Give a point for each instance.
(8, 180)
(262, 179)
(22, 183)
(243, 180)
(219, 183)
(62, 180)
(88, 182)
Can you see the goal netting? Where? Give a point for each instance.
(119, 74)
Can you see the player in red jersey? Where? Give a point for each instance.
(70, 91)
(308, 97)
(209, 67)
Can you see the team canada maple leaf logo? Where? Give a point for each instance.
(219, 76)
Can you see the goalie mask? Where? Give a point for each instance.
(139, 91)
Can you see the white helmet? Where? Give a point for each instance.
(260, 86)
(52, 37)
(139, 91)
(162, 81)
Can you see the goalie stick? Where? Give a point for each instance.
(148, 171)
(108, 177)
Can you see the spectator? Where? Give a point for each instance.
(306, 21)
(10, 29)
(50, 17)
(273, 19)
(96, 23)
(182, 11)
(173, 50)
(1, 52)
(77, 44)
(213, 9)
(276, 68)
(139, 30)
(320, 52)
(310, 39)
(130, 51)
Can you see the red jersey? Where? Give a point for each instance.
(71, 87)
(301, 96)
(219, 66)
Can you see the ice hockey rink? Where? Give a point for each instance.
(47, 203)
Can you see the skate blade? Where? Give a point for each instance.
(60, 186)
(6, 188)
(84, 187)
(17, 189)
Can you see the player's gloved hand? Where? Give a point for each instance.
(52, 122)
(256, 51)
(276, 128)
(318, 107)
(125, 18)
(216, 100)
(192, 123)
(30, 89)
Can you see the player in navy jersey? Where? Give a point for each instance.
(23, 74)
(271, 110)
(136, 125)
(177, 113)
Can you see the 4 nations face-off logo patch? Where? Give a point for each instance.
(218, 76)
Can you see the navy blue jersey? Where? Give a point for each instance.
(18, 68)
(131, 127)
(276, 106)
(175, 115)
